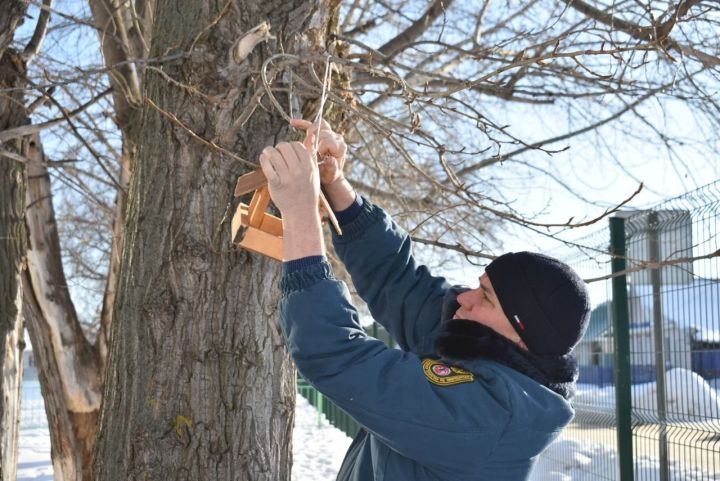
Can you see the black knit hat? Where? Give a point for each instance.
(546, 301)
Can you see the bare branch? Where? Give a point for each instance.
(207, 143)
(410, 34)
(642, 265)
(33, 47)
(656, 33)
(30, 129)
(117, 49)
(458, 247)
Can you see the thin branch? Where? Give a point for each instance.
(13, 156)
(25, 130)
(189, 131)
(458, 247)
(35, 43)
(414, 31)
(643, 265)
(501, 158)
(659, 34)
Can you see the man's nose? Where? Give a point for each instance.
(464, 299)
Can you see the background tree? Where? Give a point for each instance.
(71, 361)
(12, 258)
(13, 239)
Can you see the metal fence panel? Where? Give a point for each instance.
(594, 429)
(673, 301)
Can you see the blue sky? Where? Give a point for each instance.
(584, 168)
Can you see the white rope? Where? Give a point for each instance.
(323, 98)
(290, 93)
(324, 94)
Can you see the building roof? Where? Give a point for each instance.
(695, 305)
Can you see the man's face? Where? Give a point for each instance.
(482, 305)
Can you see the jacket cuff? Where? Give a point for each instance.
(305, 275)
(368, 214)
(346, 216)
(297, 264)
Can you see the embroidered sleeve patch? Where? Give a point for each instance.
(444, 375)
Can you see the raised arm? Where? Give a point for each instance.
(401, 295)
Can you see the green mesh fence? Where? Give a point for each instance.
(673, 309)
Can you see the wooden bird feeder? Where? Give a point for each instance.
(252, 227)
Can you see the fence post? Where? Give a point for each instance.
(621, 328)
(319, 408)
(656, 281)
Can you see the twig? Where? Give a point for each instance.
(195, 136)
(642, 265)
(30, 129)
(33, 46)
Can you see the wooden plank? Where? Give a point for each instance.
(256, 179)
(263, 243)
(267, 240)
(258, 204)
(249, 182)
(272, 225)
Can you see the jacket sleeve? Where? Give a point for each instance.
(448, 429)
(401, 295)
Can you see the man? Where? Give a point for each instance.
(481, 383)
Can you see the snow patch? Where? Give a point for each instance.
(689, 398)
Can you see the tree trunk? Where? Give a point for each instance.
(199, 384)
(68, 365)
(70, 368)
(12, 259)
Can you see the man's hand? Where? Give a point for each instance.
(293, 178)
(294, 185)
(331, 149)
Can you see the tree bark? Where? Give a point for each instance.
(69, 366)
(12, 260)
(199, 384)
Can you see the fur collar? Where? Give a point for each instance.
(461, 339)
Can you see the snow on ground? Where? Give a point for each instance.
(592, 461)
(34, 456)
(689, 398)
(319, 448)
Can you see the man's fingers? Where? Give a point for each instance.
(289, 155)
(309, 142)
(301, 124)
(302, 152)
(329, 145)
(268, 169)
(277, 161)
(306, 124)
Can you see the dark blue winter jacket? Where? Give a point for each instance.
(424, 418)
